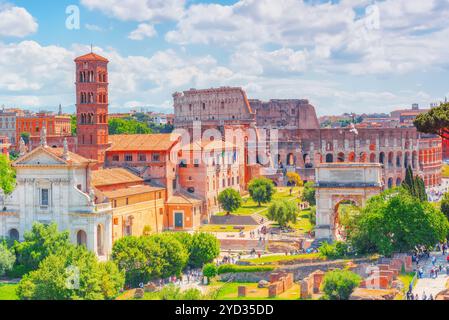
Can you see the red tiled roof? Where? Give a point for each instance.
(180, 198)
(107, 177)
(91, 57)
(130, 191)
(142, 142)
(73, 157)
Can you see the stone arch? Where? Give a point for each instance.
(341, 157)
(351, 157)
(390, 159)
(363, 157)
(390, 183)
(291, 161)
(307, 161)
(14, 234)
(407, 160)
(382, 158)
(399, 160)
(398, 181)
(338, 231)
(372, 158)
(329, 158)
(318, 159)
(81, 238)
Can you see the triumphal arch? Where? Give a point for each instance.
(342, 182)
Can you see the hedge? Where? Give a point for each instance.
(231, 268)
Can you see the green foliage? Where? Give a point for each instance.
(283, 212)
(204, 248)
(309, 193)
(172, 255)
(230, 200)
(210, 270)
(172, 292)
(336, 250)
(39, 243)
(127, 126)
(445, 204)
(7, 259)
(7, 175)
(294, 179)
(313, 215)
(436, 121)
(26, 137)
(261, 190)
(161, 128)
(232, 268)
(73, 124)
(414, 185)
(395, 221)
(339, 284)
(73, 274)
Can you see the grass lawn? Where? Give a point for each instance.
(445, 171)
(8, 291)
(224, 228)
(250, 207)
(229, 291)
(303, 224)
(276, 259)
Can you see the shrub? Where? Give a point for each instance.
(210, 270)
(333, 251)
(339, 284)
(7, 259)
(231, 268)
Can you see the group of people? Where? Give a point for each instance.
(411, 296)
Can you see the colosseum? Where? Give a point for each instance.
(302, 144)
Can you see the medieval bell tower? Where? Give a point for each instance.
(92, 106)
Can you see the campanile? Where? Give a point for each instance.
(92, 106)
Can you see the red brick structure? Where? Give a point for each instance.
(92, 106)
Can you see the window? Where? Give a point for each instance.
(191, 190)
(196, 163)
(44, 197)
(156, 157)
(114, 204)
(183, 164)
(142, 157)
(115, 158)
(128, 158)
(204, 106)
(159, 195)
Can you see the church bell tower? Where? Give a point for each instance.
(92, 106)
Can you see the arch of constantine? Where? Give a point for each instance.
(343, 182)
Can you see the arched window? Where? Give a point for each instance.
(382, 158)
(13, 234)
(329, 158)
(372, 158)
(390, 183)
(341, 157)
(398, 182)
(81, 238)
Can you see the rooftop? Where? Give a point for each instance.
(130, 191)
(91, 57)
(181, 198)
(142, 142)
(107, 177)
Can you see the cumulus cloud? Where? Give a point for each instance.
(143, 31)
(16, 22)
(138, 10)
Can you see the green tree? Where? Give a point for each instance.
(127, 126)
(172, 255)
(309, 193)
(230, 200)
(283, 212)
(26, 137)
(39, 243)
(445, 204)
(395, 221)
(7, 175)
(339, 284)
(7, 259)
(73, 124)
(75, 274)
(414, 186)
(436, 121)
(204, 248)
(261, 190)
(210, 270)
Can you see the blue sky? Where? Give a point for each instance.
(344, 56)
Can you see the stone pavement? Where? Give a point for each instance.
(432, 286)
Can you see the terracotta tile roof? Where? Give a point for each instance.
(141, 142)
(181, 198)
(107, 177)
(73, 157)
(91, 57)
(209, 145)
(130, 191)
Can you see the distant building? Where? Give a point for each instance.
(4, 146)
(8, 119)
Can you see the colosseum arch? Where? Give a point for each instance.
(338, 182)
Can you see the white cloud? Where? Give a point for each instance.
(93, 27)
(143, 31)
(138, 10)
(16, 22)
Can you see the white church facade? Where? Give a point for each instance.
(53, 185)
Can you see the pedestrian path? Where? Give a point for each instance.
(429, 285)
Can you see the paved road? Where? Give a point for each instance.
(432, 286)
